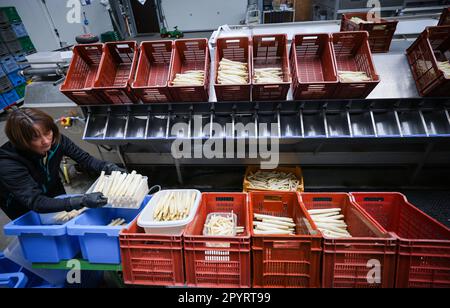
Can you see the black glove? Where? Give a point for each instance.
(110, 167)
(93, 200)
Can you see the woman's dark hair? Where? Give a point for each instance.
(21, 127)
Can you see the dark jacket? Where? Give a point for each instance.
(27, 183)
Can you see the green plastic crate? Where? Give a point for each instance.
(110, 36)
(27, 45)
(21, 90)
(11, 14)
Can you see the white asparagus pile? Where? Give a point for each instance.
(350, 76)
(444, 67)
(173, 205)
(220, 224)
(358, 21)
(273, 180)
(64, 217)
(189, 78)
(117, 222)
(268, 75)
(122, 189)
(232, 72)
(267, 224)
(330, 222)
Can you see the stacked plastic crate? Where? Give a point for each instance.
(15, 44)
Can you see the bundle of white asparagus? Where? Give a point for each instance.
(350, 76)
(268, 75)
(189, 78)
(117, 222)
(444, 67)
(220, 224)
(232, 72)
(358, 21)
(330, 222)
(267, 224)
(64, 217)
(122, 189)
(173, 205)
(273, 180)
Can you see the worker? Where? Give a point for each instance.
(30, 165)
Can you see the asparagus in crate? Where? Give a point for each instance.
(232, 72)
(444, 67)
(220, 224)
(117, 222)
(189, 78)
(330, 222)
(173, 205)
(273, 180)
(64, 217)
(268, 75)
(122, 189)
(267, 224)
(350, 76)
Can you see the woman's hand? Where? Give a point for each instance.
(93, 200)
(110, 167)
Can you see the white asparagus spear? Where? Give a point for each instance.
(262, 216)
(319, 211)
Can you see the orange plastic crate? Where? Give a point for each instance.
(313, 67)
(190, 54)
(423, 257)
(81, 75)
(431, 46)
(381, 31)
(152, 73)
(234, 49)
(270, 50)
(151, 259)
(345, 260)
(218, 261)
(284, 261)
(116, 73)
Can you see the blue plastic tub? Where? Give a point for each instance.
(16, 79)
(8, 266)
(43, 243)
(100, 243)
(9, 64)
(13, 280)
(20, 57)
(10, 97)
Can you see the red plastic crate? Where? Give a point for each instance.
(116, 73)
(152, 73)
(431, 46)
(313, 67)
(423, 258)
(149, 259)
(352, 53)
(234, 49)
(284, 261)
(345, 260)
(445, 17)
(81, 75)
(381, 31)
(190, 54)
(270, 50)
(218, 261)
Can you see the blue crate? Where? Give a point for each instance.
(9, 64)
(2, 73)
(20, 57)
(42, 243)
(16, 79)
(10, 97)
(13, 280)
(8, 266)
(19, 29)
(100, 243)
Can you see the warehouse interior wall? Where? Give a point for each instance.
(203, 15)
(39, 24)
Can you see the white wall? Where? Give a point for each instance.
(198, 15)
(36, 21)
